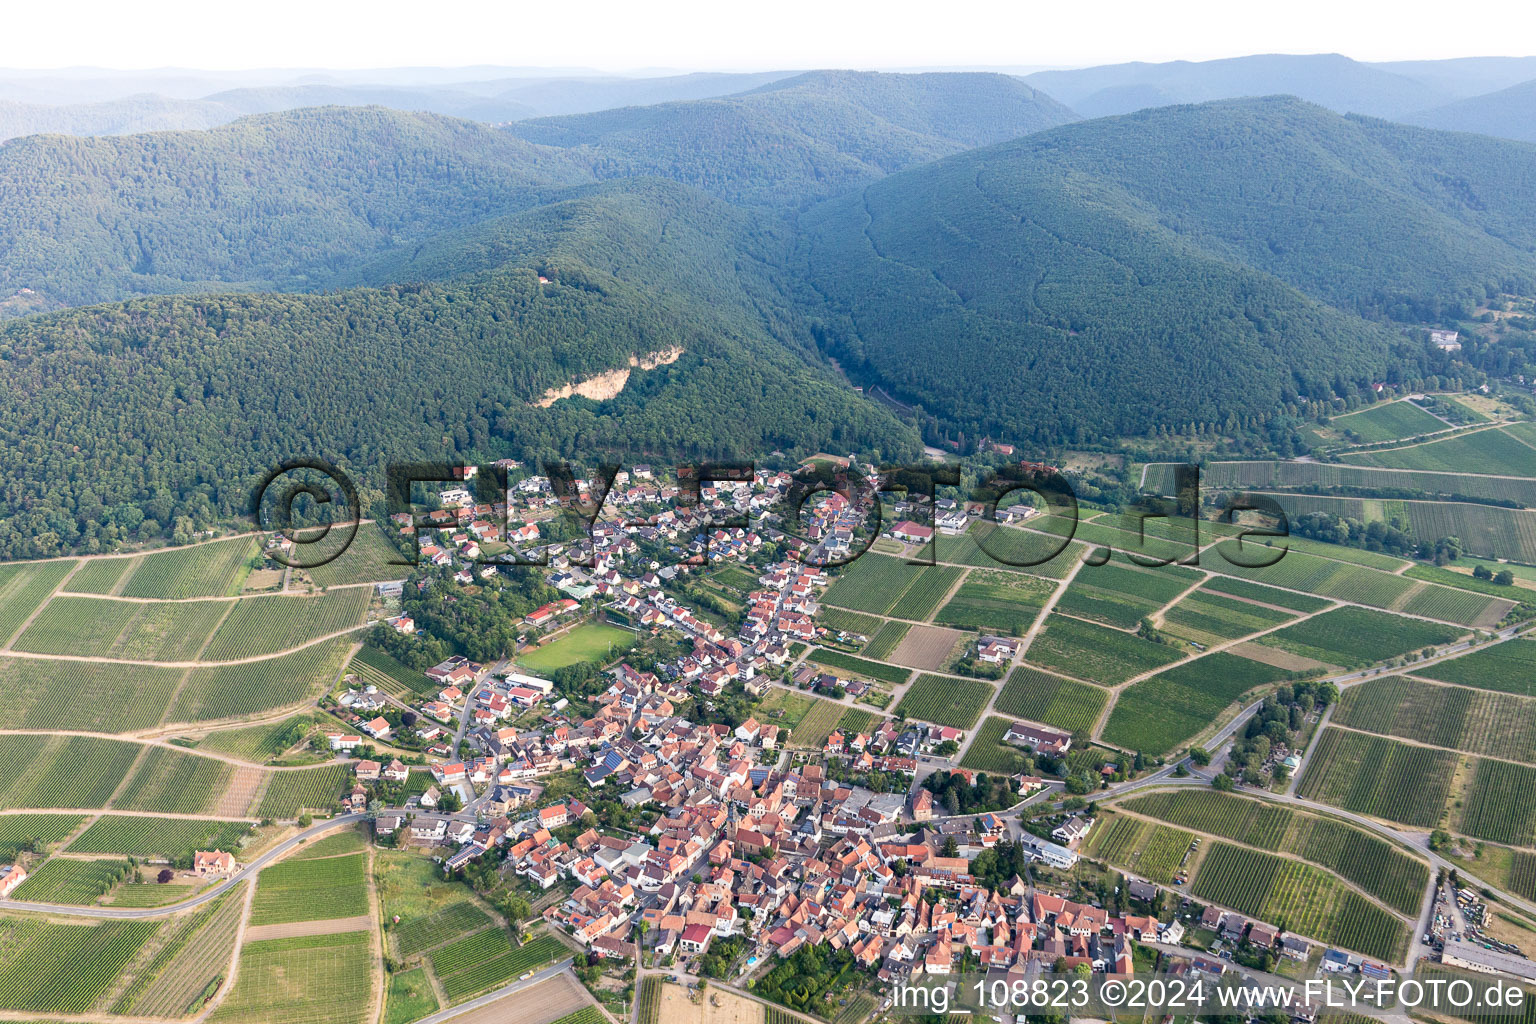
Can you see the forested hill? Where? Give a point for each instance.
(1509, 113)
(1128, 275)
(804, 137)
(279, 201)
(192, 398)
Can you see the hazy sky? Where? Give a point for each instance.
(618, 35)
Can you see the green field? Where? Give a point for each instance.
(872, 584)
(50, 967)
(1352, 637)
(410, 997)
(100, 627)
(1041, 697)
(1118, 595)
(388, 674)
(62, 771)
(187, 965)
(1508, 667)
(314, 789)
(1298, 897)
(171, 782)
(1377, 776)
(988, 752)
(1264, 476)
(1388, 421)
(1157, 714)
(158, 837)
(848, 665)
(98, 575)
(450, 923)
(230, 691)
(266, 625)
(885, 640)
(1208, 617)
(1478, 721)
(1151, 851)
(314, 979)
(945, 700)
(930, 584)
(66, 880)
(1228, 586)
(1495, 452)
(259, 742)
(854, 622)
(478, 974)
(996, 602)
(1500, 803)
(587, 642)
(18, 831)
(1018, 546)
(368, 559)
(1096, 653)
(47, 693)
(311, 890)
(202, 570)
(1485, 530)
(24, 586)
(817, 722)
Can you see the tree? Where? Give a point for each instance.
(1504, 578)
(1200, 756)
(1439, 839)
(1223, 782)
(165, 875)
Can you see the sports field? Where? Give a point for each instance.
(588, 642)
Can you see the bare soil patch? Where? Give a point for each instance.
(926, 647)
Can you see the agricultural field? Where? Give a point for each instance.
(649, 1010)
(1118, 595)
(1500, 803)
(588, 642)
(1303, 898)
(171, 782)
(259, 742)
(1508, 667)
(817, 723)
(1041, 697)
(470, 950)
(930, 585)
(1096, 653)
(945, 700)
(410, 997)
(51, 967)
(98, 575)
(988, 753)
(1152, 851)
(216, 569)
(925, 647)
(187, 965)
(1124, 535)
(314, 789)
(997, 602)
(144, 894)
(885, 639)
(1493, 452)
(316, 979)
(785, 708)
(848, 665)
(1486, 530)
(18, 831)
(71, 881)
(1026, 551)
(24, 586)
(853, 622)
(1208, 617)
(230, 691)
(100, 627)
(50, 693)
(1477, 721)
(370, 558)
(158, 837)
(446, 925)
(1377, 776)
(319, 889)
(1387, 421)
(479, 975)
(1229, 586)
(1157, 714)
(871, 584)
(1264, 476)
(1459, 575)
(388, 670)
(266, 625)
(1353, 637)
(62, 771)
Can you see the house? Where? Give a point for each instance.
(212, 862)
(367, 771)
(906, 530)
(11, 875)
(1446, 341)
(1042, 738)
(378, 728)
(695, 938)
(1335, 960)
(1142, 890)
(1072, 831)
(341, 741)
(1058, 857)
(1295, 947)
(553, 817)
(1262, 935)
(996, 650)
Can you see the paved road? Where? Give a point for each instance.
(495, 994)
(248, 871)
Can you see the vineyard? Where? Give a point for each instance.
(1120, 596)
(311, 890)
(817, 723)
(65, 880)
(1374, 775)
(1478, 721)
(314, 789)
(1230, 586)
(259, 742)
(1352, 637)
(1096, 653)
(98, 575)
(988, 753)
(1262, 476)
(24, 586)
(314, 979)
(1209, 618)
(64, 968)
(228, 691)
(1500, 803)
(872, 584)
(650, 1001)
(1298, 897)
(171, 782)
(62, 771)
(1522, 874)
(18, 831)
(154, 979)
(1251, 822)
(85, 695)
(1021, 549)
(853, 622)
(266, 625)
(945, 700)
(100, 627)
(847, 663)
(1153, 851)
(158, 837)
(1509, 667)
(202, 570)
(1487, 452)
(884, 641)
(929, 586)
(1042, 697)
(1157, 714)
(399, 676)
(422, 933)
(470, 950)
(1388, 421)
(996, 602)
(369, 558)
(487, 974)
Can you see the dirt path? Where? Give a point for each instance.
(185, 664)
(298, 928)
(6, 647)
